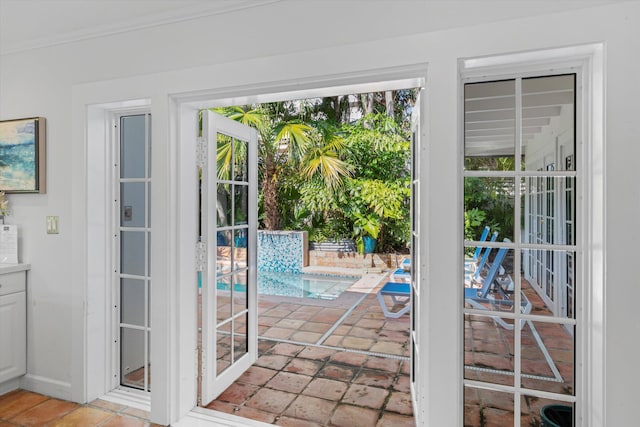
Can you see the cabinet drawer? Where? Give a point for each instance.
(12, 282)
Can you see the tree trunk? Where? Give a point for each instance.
(270, 198)
(388, 100)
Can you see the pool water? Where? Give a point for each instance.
(298, 285)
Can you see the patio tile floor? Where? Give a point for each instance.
(315, 366)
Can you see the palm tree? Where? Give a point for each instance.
(285, 143)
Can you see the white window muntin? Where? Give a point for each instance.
(518, 246)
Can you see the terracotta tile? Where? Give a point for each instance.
(362, 395)
(227, 408)
(403, 384)
(273, 361)
(375, 378)
(279, 333)
(336, 372)
(287, 381)
(311, 409)
(349, 358)
(44, 413)
(19, 402)
(382, 363)
(386, 347)
(370, 323)
(363, 332)
(285, 349)
(276, 312)
(326, 389)
(317, 327)
(333, 340)
(400, 403)
(350, 416)
(268, 321)
(295, 422)
(328, 315)
(83, 417)
(6, 424)
(273, 401)
(395, 420)
(290, 323)
(306, 337)
(406, 367)
(257, 376)
(358, 343)
(303, 367)
(237, 393)
(120, 421)
(255, 414)
(317, 353)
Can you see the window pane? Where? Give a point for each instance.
(548, 206)
(240, 340)
(548, 122)
(132, 146)
(542, 412)
(132, 252)
(224, 156)
(223, 347)
(548, 351)
(489, 202)
(241, 204)
(223, 205)
(132, 357)
(224, 239)
(132, 302)
(240, 171)
(488, 350)
(548, 282)
(489, 125)
(223, 298)
(132, 209)
(488, 408)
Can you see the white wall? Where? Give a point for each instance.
(240, 49)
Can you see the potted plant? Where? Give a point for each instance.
(366, 229)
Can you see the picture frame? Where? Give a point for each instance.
(23, 155)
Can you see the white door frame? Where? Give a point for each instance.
(185, 116)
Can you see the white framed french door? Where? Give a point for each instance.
(131, 252)
(229, 239)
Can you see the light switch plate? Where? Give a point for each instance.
(52, 225)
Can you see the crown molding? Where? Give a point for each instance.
(148, 21)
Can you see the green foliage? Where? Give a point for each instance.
(335, 178)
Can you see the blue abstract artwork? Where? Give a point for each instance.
(20, 147)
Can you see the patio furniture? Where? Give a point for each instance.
(400, 294)
(492, 295)
(472, 271)
(476, 254)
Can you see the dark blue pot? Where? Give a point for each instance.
(369, 244)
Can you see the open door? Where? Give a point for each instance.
(229, 282)
(416, 253)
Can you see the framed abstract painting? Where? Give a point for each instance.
(22, 155)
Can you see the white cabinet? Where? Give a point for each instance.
(13, 321)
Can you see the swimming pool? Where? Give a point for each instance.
(298, 285)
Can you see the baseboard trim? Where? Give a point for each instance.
(9, 385)
(46, 386)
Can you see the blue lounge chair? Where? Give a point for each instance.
(472, 271)
(400, 293)
(484, 298)
(476, 254)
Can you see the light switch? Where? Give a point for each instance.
(52, 225)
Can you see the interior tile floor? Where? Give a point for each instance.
(21, 408)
